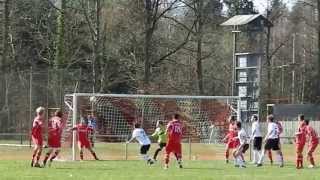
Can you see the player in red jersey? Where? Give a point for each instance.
(300, 141)
(231, 138)
(174, 134)
(54, 137)
(313, 142)
(280, 131)
(83, 131)
(36, 134)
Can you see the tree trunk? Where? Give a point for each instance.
(97, 44)
(60, 54)
(318, 73)
(147, 45)
(199, 46)
(269, 80)
(6, 24)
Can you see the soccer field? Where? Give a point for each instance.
(138, 170)
(15, 164)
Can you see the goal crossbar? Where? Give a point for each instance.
(153, 96)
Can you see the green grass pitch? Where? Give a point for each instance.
(14, 165)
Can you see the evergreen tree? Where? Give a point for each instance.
(240, 7)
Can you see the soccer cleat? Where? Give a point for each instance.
(311, 166)
(259, 165)
(236, 165)
(281, 165)
(271, 163)
(227, 161)
(242, 166)
(180, 166)
(37, 165)
(166, 167)
(150, 162)
(32, 163)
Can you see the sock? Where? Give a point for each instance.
(38, 156)
(227, 154)
(54, 156)
(240, 160)
(261, 158)
(179, 158)
(299, 163)
(259, 154)
(255, 154)
(156, 153)
(46, 158)
(145, 157)
(242, 157)
(34, 154)
(280, 158)
(81, 155)
(94, 155)
(270, 156)
(312, 161)
(166, 160)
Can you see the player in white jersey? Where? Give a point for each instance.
(140, 135)
(242, 148)
(256, 137)
(272, 141)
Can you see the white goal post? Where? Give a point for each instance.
(116, 113)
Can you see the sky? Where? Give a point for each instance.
(261, 5)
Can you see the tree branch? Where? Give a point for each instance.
(174, 50)
(181, 24)
(52, 5)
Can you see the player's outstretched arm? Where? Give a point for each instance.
(155, 134)
(130, 140)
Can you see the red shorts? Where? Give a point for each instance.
(37, 141)
(312, 148)
(173, 148)
(54, 142)
(84, 144)
(233, 144)
(299, 148)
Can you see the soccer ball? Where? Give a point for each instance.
(93, 99)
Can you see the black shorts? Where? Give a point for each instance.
(245, 148)
(144, 149)
(272, 144)
(162, 145)
(257, 143)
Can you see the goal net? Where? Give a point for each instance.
(113, 115)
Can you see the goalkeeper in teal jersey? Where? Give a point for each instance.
(160, 133)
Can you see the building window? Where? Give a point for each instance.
(242, 91)
(244, 105)
(242, 62)
(243, 76)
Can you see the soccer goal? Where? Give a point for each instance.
(204, 117)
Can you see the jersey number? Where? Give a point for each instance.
(177, 129)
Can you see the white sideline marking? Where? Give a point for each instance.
(16, 145)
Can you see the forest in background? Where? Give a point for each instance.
(149, 47)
